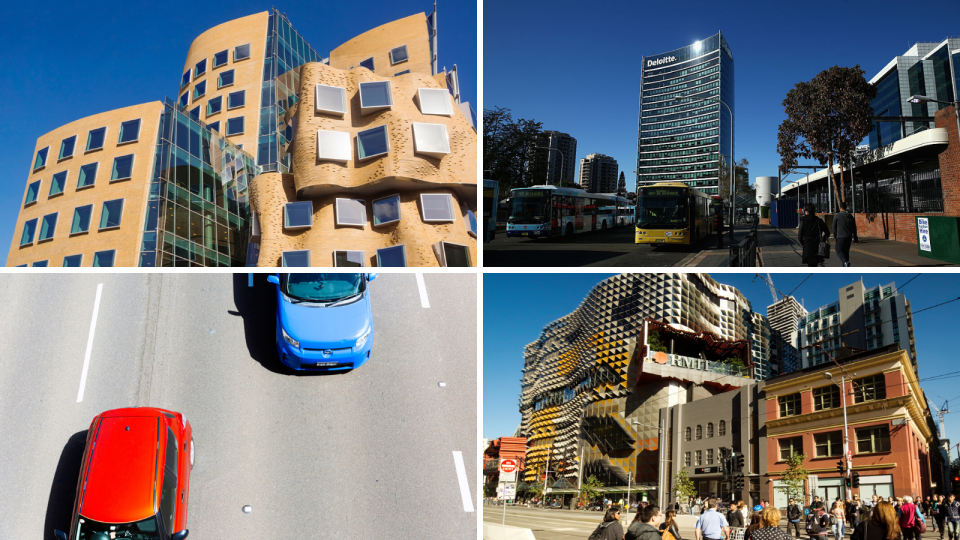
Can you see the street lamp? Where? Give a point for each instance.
(846, 440)
(956, 106)
(561, 160)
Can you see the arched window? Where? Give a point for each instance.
(688, 434)
(723, 428)
(699, 432)
(710, 430)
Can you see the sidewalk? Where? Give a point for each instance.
(711, 255)
(780, 247)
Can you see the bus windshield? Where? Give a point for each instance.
(529, 208)
(662, 208)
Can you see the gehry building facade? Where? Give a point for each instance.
(590, 375)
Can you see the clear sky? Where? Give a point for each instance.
(517, 306)
(575, 66)
(68, 60)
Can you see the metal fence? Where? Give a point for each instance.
(745, 253)
(918, 189)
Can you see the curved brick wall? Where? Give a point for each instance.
(377, 43)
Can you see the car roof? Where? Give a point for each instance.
(122, 481)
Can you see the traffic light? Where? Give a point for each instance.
(738, 482)
(740, 463)
(840, 468)
(855, 479)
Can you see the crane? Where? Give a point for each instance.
(769, 280)
(940, 412)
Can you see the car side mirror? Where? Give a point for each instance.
(273, 279)
(373, 276)
(60, 534)
(178, 536)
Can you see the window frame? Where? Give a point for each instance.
(243, 95)
(113, 259)
(186, 79)
(320, 108)
(194, 95)
(403, 250)
(79, 261)
(219, 101)
(41, 264)
(373, 64)
(406, 52)
(89, 219)
(447, 102)
(373, 212)
(43, 223)
(828, 443)
(103, 140)
(404, 72)
(82, 175)
(688, 434)
(791, 447)
(196, 68)
(873, 449)
(195, 112)
(423, 208)
(722, 428)
(698, 458)
(819, 397)
(466, 250)
(236, 49)
(46, 154)
(73, 150)
(339, 141)
(227, 126)
(783, 406)
(226, 60)
(286, 216)
(363, 256)
(119, 221)
(36, 195)
(233, 76)
(709, 430)
(113, 171)
(423, 128)
(386, 137)
(471, 222)
(33, 232)
(337, 221)
(283, 258)
(53, 183)
(120, 135)
(860, 391)
(184, 100)
(215, 126)
(368, 109)
(687, 460)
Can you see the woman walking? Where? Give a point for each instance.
(670, 524)
(910, 519)
(882, 525)
(839, 518)
(767, 524)
(813, 231)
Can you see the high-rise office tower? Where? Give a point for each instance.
(785, 316)
(598, 173)
(554, 158)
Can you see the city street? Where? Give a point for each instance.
(315, 455)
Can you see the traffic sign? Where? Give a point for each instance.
(508, 465)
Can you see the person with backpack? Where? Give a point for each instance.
(644, 526)
(670, 525)
(610, 529)
(712, 525)
(951, 514)
(794, 515)
(818, 523)
(910, 519)
(881, 525)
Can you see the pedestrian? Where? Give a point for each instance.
(882, 524)
(951, 514)
(670, 525)
(818, 524)
(939, 513)
(817, 503)
(769, 526)
(838, 519)
(712, 525)
(610, 529)
(794, 514)
(644, 526)
(735, 516)
(756, 521)
(813, 232)
(910, 518)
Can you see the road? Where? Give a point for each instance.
(316, 456)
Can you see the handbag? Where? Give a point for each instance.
(920, 526)
(824, 250)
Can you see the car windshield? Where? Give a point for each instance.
(662, 208)
(321, 287)
(147, 529)
(529, 209)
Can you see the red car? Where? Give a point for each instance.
(135, 477)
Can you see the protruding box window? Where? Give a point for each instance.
(431, 139)
(72, 261)
(195, 112)
(48, 226)
(386, 210)
(122, 167)
(104, 259)
(331, 99)
(33, 191)
(214, 126)
(29, 230)
(111, 213)
(129, 131)
(375, 96)
(298, 215)
(184, 99)
(333, 145)
(399, 54)
(392, 256)
(66, 147)
(42, 264)
(454, 255)
(435, 101)
(436, 207)
(220, 59)
(236, 99)
(214, 105)
(348, 258)
(373, 142)
(368, 63)
(96, 138)
(81, 219)
(297, 258)
(199, 90)
(200, 68)
(88, 175)
(241, 52)
(58, 183)
(472, 223)
(186, 79)
(351, 212)
(235, 126)
(41, 160)
(399, 73)
(225, 79)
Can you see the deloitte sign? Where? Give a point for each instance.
(661, 61)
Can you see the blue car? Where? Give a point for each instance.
(324, 321)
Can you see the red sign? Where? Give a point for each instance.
(508, 465)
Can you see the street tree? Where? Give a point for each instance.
(685, 488)
(826, 118)
(507, 146)
(793, 479)
(590, 489)
(622, 185)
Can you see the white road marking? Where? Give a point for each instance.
(423, 292)
(86, 356)
(462, 477)
(250, 279)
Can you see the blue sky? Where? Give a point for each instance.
(575, 67)
(68, 60)
(517, 306)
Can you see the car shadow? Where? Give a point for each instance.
(257, 306)
(64, 487)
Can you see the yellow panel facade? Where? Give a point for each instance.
(377, 44)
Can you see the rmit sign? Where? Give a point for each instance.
(661, 61)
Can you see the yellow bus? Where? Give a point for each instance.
(675, 213)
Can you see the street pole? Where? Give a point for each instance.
(546, 477)
(846, 437)
(629, 478)
(504, 520)
(580, 474)
(561, 161)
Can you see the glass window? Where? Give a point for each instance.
(368, 63)
(220, 59)
(722, 429)
(399, 54)
(88, 175)
(81, 219)
(225, 79)
(788, 447)
(184, 99)
(826, 397)
(688, 434)
(199, 90)
(699, 432)
(236, 99)
(455, 255)
(29, 229)
(331, 99)
(66, 147)
(129, 131)
(472, 223)
(435, 101)
(698, 460)
(299, 258)
(298, 215)
(386, 210)
(375, 96)
(392, 256)
(95, 138)
(873, 439)
(348, 258)
(789, 405)
(214, 126)
(195, 112)
(333, 145)
(43, 264)
(168, 492)
(122, 167)
(710, 430)
(214, 105)
(33, 189)
(351, 212)
(186, 79)
(58, 183)
(104, 259)
(48, 226)
(111, 213)
(709, 456)
(41, 160)
(404, 72)
(241, 52)
(436, 207)
(828, 444)
(869, 388)
(686, 458)
(72, 260)
(200, 68)
(431, 139)
(373, 142)
(235, 126)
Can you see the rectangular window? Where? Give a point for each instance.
(331, 99)
(88, 175)
(81, 219)
(472, 229)
(789, 405)
(200, 68)
(298, 215)
(111, 213)
(373, 142)
(399, 54)
(58, 183)
(72, 261)
(214, 105)
(225, 79)
(122, 168)
(215, 126)
(29, 229)
(184, 99)
(436, 207)
(299, 258)
(104, 259)
(698, 461)
(241, 52)
(826, 397)
(828, 444)
(66, 147)
(455, 255)
(788, 447)
(41, 160)
(48, 226)
(220, 59)
(435, 101)
(33, 190)
(375, 96)
(431, 139)
(404, 72)
(686, 459)
(185, 80)
(709, 456)
(869, 388)
(368, 63)
(348, 258)
(236, 99)
(392, 256)
(43, 264)
(351, 212)
(873, 439)
(95, 138)
(235, 126)
(195, 112)
(129, 131)
(333, 145)
(199, 90)
(386, 210)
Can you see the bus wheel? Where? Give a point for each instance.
(568, 231)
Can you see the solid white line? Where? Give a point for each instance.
(86, 356)
(250, 279)
(462, 477)
(423, 291)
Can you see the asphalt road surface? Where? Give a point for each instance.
(368, 453)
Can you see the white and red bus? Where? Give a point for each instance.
(546, 211)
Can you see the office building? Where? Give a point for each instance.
(553, 160)
(684, 134)
(785, 316)
(762, 345)
(598, 174)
